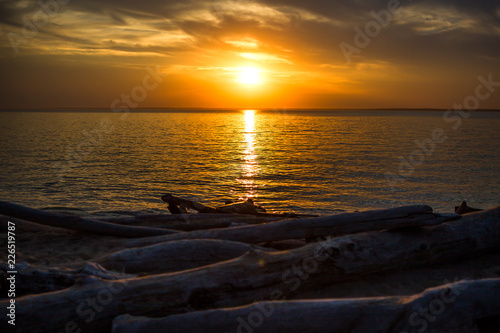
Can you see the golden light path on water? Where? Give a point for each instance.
(250, 166)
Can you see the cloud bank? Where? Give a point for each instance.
(79, 53)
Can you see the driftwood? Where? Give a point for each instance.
(78, 223)
(257, 275)
(174, 202)
(35, 280)
(177, 205)
(465, 209)
(409, 216)
(466, 306)
(286, 244)
(174, 256)
(190, 222)
(159, 258)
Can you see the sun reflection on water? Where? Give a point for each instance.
(250, 166)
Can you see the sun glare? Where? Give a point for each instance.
(249, 75)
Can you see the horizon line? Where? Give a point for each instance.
(59, 109)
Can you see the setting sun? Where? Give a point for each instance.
(249, 75)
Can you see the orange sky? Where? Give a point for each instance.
(81, 53)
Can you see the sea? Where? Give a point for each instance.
(312, 162)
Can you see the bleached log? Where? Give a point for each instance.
(190, 222)
(36, 280)
(409, 216)
(174, 256)
(286, 244)
(155, 259)
(459, 307)
(259, 275)
(78, 223)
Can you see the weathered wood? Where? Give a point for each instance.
(409, 216)
(78, 223)
(457, 307)
(35, 280)
(465, 209)
(259, 275)
(155, 259)
(285, 244)
(246, 208)
(31, 226)
(174, 256)
(177, 201)
(190, 222)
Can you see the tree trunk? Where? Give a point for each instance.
(460, 307)
(78, 223)
(409, 216)
(256, 276)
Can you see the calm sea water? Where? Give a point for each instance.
(309, 162)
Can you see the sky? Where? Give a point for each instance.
(279, 54)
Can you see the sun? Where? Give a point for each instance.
(249, 75)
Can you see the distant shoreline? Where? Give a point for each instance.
(229, 110)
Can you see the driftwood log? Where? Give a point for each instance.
(155, 259)
(466, 306)
(174, 256)
(256, 276)
(190, 222)
(35, 280)
(465, 209)
(306, 228)
(78, 223)
(177, 205)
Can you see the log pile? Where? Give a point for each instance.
(232, 277)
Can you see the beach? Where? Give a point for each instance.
(390, 257)
(257, 166)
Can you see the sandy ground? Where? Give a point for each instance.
(411, 282)
(45, 246)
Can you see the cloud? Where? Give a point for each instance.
(295, 41)
(264, 58)
(244, 43)
(432, 19)
(316, 24)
